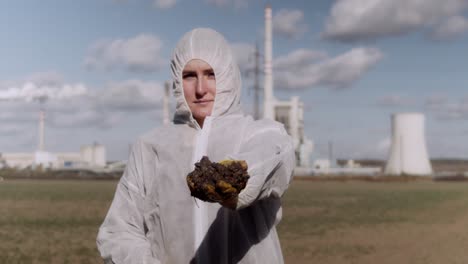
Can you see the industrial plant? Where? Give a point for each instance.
(89, 157)
(408, 153)
(290, 113)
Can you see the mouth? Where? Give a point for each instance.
(203, 101)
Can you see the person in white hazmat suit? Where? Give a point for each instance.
(154, 219)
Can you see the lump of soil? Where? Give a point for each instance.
(217, 182)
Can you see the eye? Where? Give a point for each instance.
(210, 74)
(187, 75)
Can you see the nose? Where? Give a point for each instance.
(201, 88)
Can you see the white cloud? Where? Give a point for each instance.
(164, 4)
(131, 96)
(299, 58)
(74, 105)
(41, 89)
(355, 20)
(289, 23)
(451, 28)
(317, 69)
(47, 78)
(62, 102)
(107, 107)
(140, 54)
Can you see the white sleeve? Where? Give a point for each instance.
(121, 238)
(270, 157)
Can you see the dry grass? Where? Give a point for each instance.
(51, 221)
(362, 222)
(323, 222)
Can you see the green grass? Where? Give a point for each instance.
(52, 221)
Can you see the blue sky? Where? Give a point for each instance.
(102, 64)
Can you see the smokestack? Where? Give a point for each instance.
(268, 81)
(257, 83)
(408, 153)
(167, 87)
(41, 129)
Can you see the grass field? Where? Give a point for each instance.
(323, 222)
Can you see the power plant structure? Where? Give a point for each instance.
(90, 156)
(290, 113)
(93, 155)
(408, 152)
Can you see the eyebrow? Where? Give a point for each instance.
(194, 71)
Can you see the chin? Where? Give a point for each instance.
(202, 111)
(202, 114)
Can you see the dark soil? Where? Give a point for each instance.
(217, 182)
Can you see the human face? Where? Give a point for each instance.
(199, 84)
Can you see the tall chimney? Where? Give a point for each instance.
(167, 87)
(268, 81)
(41, 129)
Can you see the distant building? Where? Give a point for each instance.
(93, 155)
(325, 167)
(90, 156)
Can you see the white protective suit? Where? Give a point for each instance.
(153, 218)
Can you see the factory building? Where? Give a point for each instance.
(90, 156)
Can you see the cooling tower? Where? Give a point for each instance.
(408, 152)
